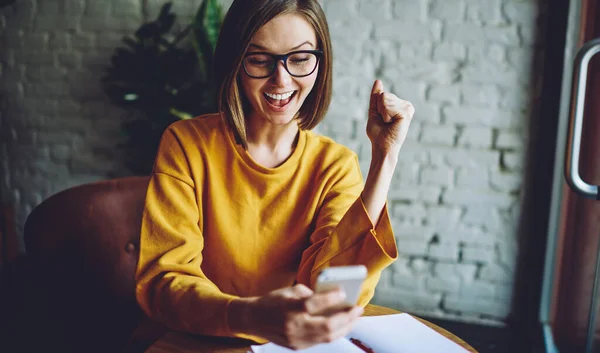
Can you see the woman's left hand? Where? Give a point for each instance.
(389, 119)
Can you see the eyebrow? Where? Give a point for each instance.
(260, 47)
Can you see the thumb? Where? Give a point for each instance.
(377, 87)
(375, 93)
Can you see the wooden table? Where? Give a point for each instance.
(177, 342)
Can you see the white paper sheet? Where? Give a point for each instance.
(341, 345)
(401, 333)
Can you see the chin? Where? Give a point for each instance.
(281, 119)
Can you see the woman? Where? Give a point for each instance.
(245, 207)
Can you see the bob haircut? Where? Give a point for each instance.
(243, 20)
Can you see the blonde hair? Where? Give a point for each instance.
(243, 20)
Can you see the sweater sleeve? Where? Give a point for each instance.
(170, 284)
(345, 235)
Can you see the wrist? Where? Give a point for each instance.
(239, 315)
(384, 158)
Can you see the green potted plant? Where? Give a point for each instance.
(161, 77)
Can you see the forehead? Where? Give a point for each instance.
(285, 32)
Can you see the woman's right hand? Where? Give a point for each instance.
(295, 317)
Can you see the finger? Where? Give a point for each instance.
(410, 109)
(357, 311)
(384, 108)
(403, 110)
(302, 291)
(377, 87)
(296, 296)
(324, 302)
(397, 108)
(293, 296)
(338, 325)
(392, 112)
(346, 318)
(389, 99)
(341, 331)
(388, 96)
(376, 91)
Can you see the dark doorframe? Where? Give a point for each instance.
(580, 217)
(538, 180)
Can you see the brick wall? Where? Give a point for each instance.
(465, 64)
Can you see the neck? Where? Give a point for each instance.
(268, 144)
(265, 135)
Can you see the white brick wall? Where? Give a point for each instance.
(465, 64)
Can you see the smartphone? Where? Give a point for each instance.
(348, 278)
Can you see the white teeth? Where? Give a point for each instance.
(279, 96)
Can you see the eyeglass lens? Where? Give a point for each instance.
(263, 65)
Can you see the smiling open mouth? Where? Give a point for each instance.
(280, 100)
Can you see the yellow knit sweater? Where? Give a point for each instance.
(217, 225)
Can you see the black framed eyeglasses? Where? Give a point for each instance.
(299, 63)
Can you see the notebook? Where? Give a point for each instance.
(399, 333)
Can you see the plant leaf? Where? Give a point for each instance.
(205, 32)
(148, 30)
(213, 19)
(165, 11)
(180, 114)
(165, 24)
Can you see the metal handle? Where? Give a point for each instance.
(582, 60)
(572, 176)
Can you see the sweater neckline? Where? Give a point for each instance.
(289, 164)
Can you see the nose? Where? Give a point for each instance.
(281, 77)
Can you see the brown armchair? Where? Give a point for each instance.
(73, 289)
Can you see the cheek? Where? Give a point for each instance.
(250, 87)
(308, 83)
(312, 79)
